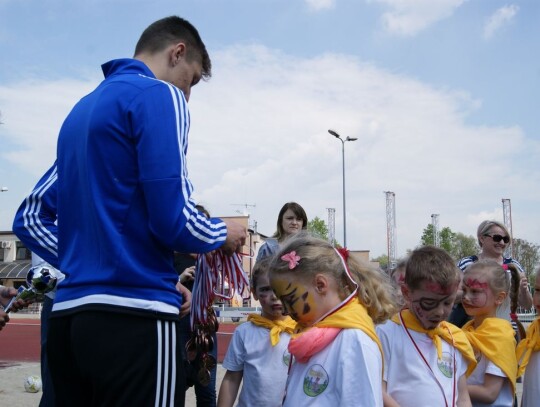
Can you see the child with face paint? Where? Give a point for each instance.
(486, 286)
(337, 357)
(528, 355)
(426, 358)
(258, 352)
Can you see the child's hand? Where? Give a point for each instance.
(188, 275)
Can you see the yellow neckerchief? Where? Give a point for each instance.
(495, 339)
(276, 326)
(527, 346)
(445, 330)
(351, 315)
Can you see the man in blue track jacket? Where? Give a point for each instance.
(123, 199)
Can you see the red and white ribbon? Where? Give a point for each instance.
(213, 271)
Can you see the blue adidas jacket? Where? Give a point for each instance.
(124, 197)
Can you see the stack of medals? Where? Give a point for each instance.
(213, 272)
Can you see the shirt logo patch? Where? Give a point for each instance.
(446, 365)
(315, 381)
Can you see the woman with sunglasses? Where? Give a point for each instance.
(493, 238)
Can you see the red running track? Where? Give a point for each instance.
(20, 340)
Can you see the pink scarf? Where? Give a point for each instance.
(312, 341)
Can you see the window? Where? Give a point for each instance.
(22, 252)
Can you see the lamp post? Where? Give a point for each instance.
(4, 189)
(336, 135)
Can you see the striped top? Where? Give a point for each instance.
(123, 197)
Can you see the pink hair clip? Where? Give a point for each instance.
(292, 258)
(505, 267)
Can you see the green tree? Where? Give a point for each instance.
(464, 246)
(446, 237)
(528, 255)
(318, 227)
(456, 244)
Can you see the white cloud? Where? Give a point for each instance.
(33, 112)
(320, 4)
(409, 17)
(499, 19)
(259, 136)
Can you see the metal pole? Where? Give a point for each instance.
(336, 135)
(344, 205)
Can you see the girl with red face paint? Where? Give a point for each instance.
(493, 239)
(486, 287)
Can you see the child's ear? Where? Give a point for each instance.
(499, 299)
(321, 283)
(254, 293)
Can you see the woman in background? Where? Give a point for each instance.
(292, 219)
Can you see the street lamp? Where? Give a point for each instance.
(4, 189)
(336, 135)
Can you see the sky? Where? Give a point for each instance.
(442, 96)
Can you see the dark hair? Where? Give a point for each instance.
(169, 30)
(430, 263)
(297, 210)
(318, 256)
(514, 295)
(261, 268)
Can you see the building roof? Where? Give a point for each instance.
(15, 269)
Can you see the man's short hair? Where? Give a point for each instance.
(170, 30)
(430, 263)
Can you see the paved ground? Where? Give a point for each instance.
(12, 391)
(19, 358)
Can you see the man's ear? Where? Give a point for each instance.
(177, 52)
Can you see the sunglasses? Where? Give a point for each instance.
(498, 238)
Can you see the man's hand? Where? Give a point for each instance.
(236, 237)
(186, 295)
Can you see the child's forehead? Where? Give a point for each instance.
(476, 274)
(436, 288)
(262, 279)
